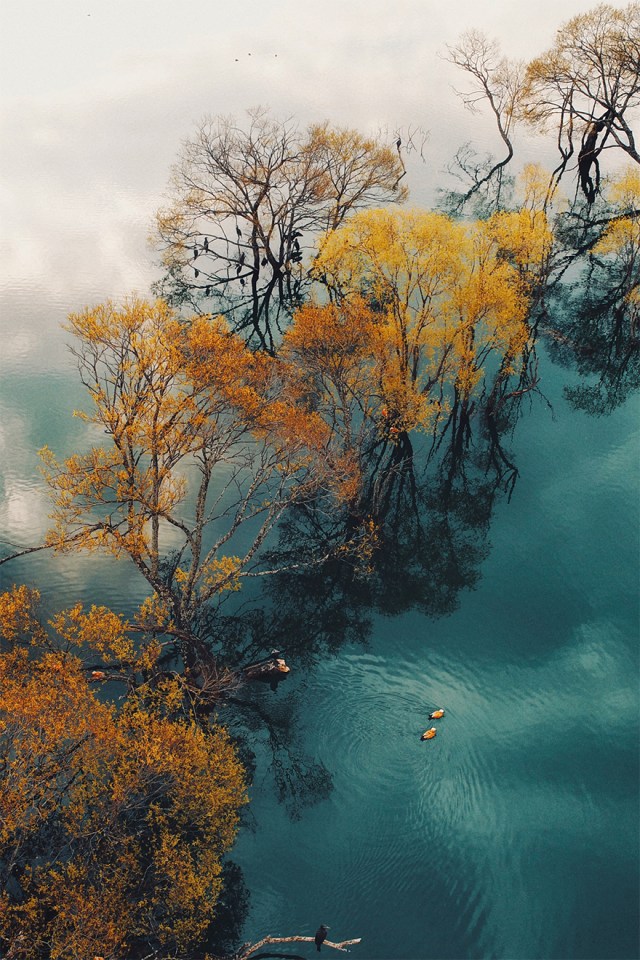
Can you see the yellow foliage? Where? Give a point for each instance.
(179, 400)
(18, 621)
(442, 297)
(524, 238)
(117, 818)
(625, 190)
(155, 612)
(350, 170)
(622, 236)
(222, 573)
(100, 629)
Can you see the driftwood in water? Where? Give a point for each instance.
(271, 670)
(249, 949)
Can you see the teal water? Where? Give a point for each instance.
(513, 834)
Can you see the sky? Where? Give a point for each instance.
(96, 96)
(59, 47)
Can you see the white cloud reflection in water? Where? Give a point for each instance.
(96, 97)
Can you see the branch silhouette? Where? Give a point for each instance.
(249, 949)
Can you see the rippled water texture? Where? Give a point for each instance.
(514, 833)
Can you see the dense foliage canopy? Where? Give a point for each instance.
(113, 820)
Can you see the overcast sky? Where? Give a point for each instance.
(62, 47)
(96, 95)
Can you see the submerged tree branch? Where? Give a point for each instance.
(248, 949)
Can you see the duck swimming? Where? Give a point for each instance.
(436, 715)
(429, 734)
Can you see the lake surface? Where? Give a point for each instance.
(514, 833)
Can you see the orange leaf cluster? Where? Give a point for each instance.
(113, 821)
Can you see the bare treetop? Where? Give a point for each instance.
(247, 199)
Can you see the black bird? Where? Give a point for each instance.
(206, 244)
(398, 143)
(196, 272)
(239, 231)
(195, 252)
(321, 936)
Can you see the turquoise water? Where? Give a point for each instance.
(514, 833)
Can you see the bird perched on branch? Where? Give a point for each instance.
(321, 936)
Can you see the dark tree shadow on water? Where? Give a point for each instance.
(590, 312)
(271, 722)
(429, 504)
(594, 327)
(304, 618)
(225, 932)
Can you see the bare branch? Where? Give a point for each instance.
(498, 82)
(250, 948)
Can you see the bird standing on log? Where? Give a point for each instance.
(321, 936)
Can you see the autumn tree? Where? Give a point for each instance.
(420, 309)
(620, 240)
(246, 198)
(444, 297)
(586, 87)
(594, 323)
(584, 90)
(113, 820)
(331, 350)
(207, 446)
(420, 357)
